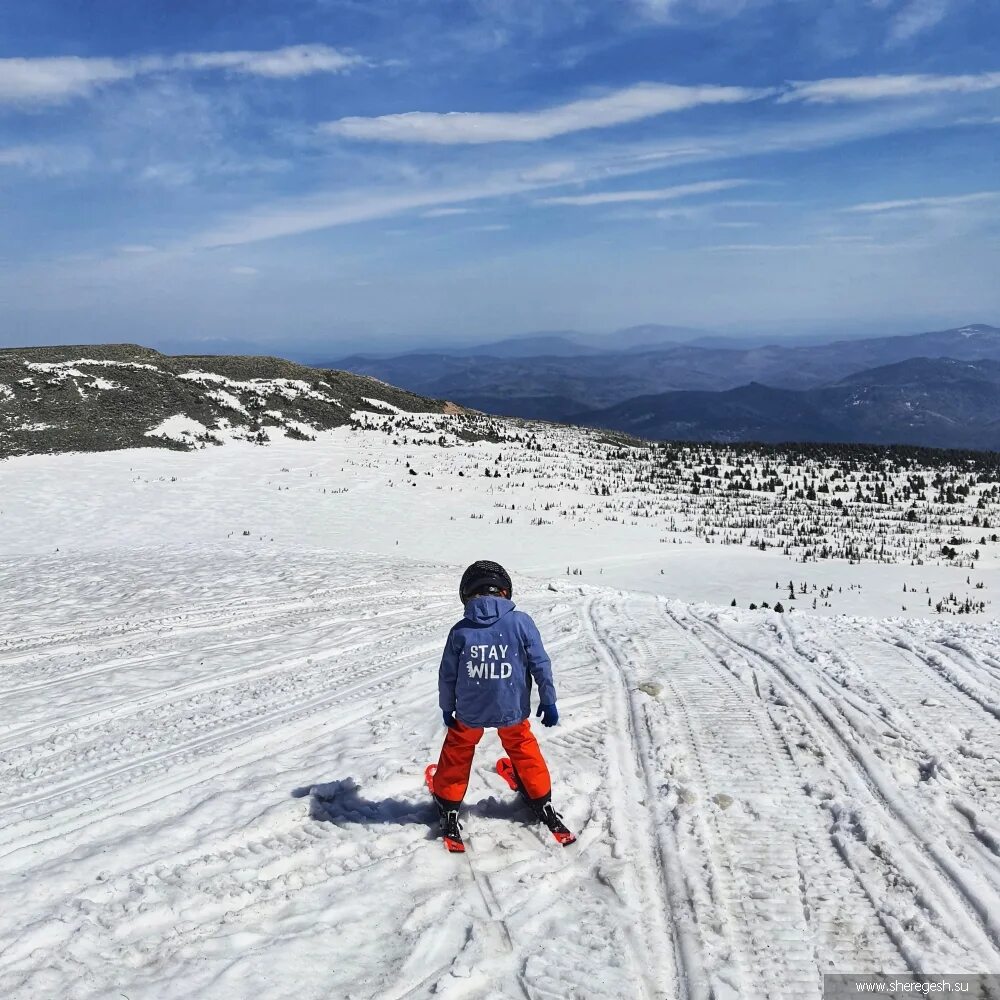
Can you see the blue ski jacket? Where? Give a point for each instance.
(489, 661)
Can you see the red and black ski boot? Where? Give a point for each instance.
(554, 822)
(451, 830)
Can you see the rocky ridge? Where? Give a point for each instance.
(106, 397)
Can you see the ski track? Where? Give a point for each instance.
(902, 835)
(205, 794)
(771, 898)
(640, 834)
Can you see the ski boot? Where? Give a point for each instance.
(543, 810)
(451, 829)
(554, 822)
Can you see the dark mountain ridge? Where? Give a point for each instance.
(516, 386)
(937, 402)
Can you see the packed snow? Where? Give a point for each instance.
(218, 673)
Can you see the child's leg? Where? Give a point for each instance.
(526, 756)
(452, 776)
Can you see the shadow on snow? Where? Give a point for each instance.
(341, 803)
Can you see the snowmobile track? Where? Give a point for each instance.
(931, 868)
(778, 840)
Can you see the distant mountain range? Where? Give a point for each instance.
(588, 379)
(935, 402)
(938, 389)
(874, 389)
(561, 343)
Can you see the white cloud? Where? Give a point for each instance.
(915, 18)
(56, 79)
(655, 194)
(293, 61)
(20, 156)
(874, 88)
(294, 216)
(994, 120)
(545, 173)
(169, 174)
(243, 269)
(442, 213)
(760, 247)
(670, 10)
(907, 204)
(657, 10)
(644, 100)
(49, 161)
(303, 215)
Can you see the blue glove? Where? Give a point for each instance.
(449, 719)
(549, 714)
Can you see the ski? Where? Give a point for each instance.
(452, 835)
(562, 834)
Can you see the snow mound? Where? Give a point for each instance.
(179, 427)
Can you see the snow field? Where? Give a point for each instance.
(218, 680)
(211, 785)
(398, 492)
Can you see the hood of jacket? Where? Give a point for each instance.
(487, 610)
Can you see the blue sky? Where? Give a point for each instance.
(321, 175)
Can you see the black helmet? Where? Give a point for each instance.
(482, 575)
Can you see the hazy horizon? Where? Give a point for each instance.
(321, 351)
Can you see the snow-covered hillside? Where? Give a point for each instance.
(110, 396)
(218, 679)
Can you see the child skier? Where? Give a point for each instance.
(489, 661)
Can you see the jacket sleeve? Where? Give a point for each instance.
(448, 676)
(538, 660)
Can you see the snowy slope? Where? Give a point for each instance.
(218, 689)
(210, 785)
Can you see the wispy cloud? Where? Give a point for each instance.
(760, 247)
(873, 88)
(986, 120)
(644, 100)
(906, 204)
(329, 209)
(48, 161)
(915, 18)
(654, 194)
(636, 103)
(669, 10)
(443, 213)
(60, 78)
(292, 61)
(303, 215)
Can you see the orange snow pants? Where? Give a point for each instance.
(452, 776)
